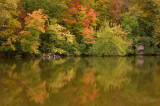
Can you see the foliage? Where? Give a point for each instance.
(157, 29)
(102, 7)
(53, 8)
(34, 26)
(157, 22)
(111, 41)
(8, 24)
(147, 15)
(115, 11)
(145, 27)
(130, 24)
(25, 29)
(80, 20)
(21, 16)
(149, 42)
(58, 39)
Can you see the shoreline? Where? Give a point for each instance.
(63, 56)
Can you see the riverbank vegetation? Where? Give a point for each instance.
(79, 27)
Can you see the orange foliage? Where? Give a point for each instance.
(81, 17)
(36, 20)
(88, 91)
(34, 23)
(38, 94)
(89, 87)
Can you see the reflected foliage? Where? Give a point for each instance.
(80, 81)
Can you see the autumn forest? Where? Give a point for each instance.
(79, 52)
(79, 27)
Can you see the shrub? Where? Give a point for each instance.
(149, 42)
(111, 41)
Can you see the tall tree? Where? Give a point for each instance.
(115, 11)
(145, 12)
(102, 10)
(53, 8)
(57, 39)
(8, 24)
(80, 20)
(157, 22)
(21, 16)
(34, 26)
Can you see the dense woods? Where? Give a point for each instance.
(79, 27)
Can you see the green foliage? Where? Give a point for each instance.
(8, 24)
(108, 77)
(34, 26)
(24, 28)
(157, 22)
(145, 12)
(52, 8)
(130, 24)
(102, 8)
(84, 48)
(150, 47)
(145, 28)
(58, 39)
(111, 41)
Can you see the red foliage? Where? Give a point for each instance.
(45, 27)
(21, 16)
(89, 87)
(115, 11)
(81, 17)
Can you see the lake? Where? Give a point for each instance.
(87, 81)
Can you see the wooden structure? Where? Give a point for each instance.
(140, 48)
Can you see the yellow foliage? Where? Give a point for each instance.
(34, 23)
(8, 23)
(62, 33)
(157, 22)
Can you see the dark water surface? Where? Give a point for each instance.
(92, 81)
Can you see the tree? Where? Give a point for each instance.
(34, 26)
(21, 16)
(130, 24)
(145, 11)
(80, 20)
(115, 11)
(157, 22)
(8, 24)
(53, 8)
(57, 39)
(102, 10)
(110, 41)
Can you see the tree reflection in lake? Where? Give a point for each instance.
(89, 81)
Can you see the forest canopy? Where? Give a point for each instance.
(79, 27)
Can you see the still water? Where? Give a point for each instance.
(92, 81)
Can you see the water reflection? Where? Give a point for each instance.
(111, 81)
(140, 60)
